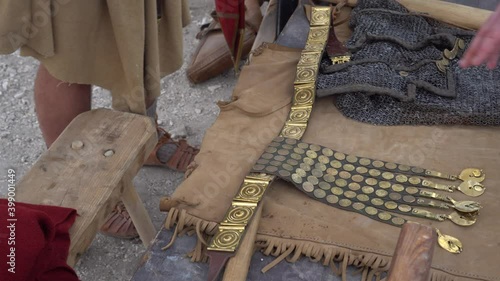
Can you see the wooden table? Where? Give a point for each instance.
(173, 265)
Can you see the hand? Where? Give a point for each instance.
(485, 47)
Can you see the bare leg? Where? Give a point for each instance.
(57, 103)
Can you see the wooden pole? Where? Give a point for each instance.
(267, 30)
(451, 13)
(237, 267)
(413, 255)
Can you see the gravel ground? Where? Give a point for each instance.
(183, 108)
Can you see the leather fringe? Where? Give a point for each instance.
(190, 225)
(372, 267)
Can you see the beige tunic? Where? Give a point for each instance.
(116, 44)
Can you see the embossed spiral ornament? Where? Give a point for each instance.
(298, 115)
(239, 214)
(321, 17)
(318, 34)
(292, 132)
(304, 95)
(309, 58)
(306, 74)
(232, 228)
(314, 47)
(226, 239)
(252, 191)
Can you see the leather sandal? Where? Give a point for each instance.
(119, 224)
(182, 157)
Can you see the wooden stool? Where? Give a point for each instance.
(90, 168)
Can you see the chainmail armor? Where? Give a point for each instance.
(392, 78)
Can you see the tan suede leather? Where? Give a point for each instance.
(293, 225)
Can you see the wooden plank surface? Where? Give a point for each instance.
(84, 178)
(452, 13)
(412, 258)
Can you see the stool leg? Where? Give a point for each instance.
(138, 213)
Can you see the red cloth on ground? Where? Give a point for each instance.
(41, 240)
